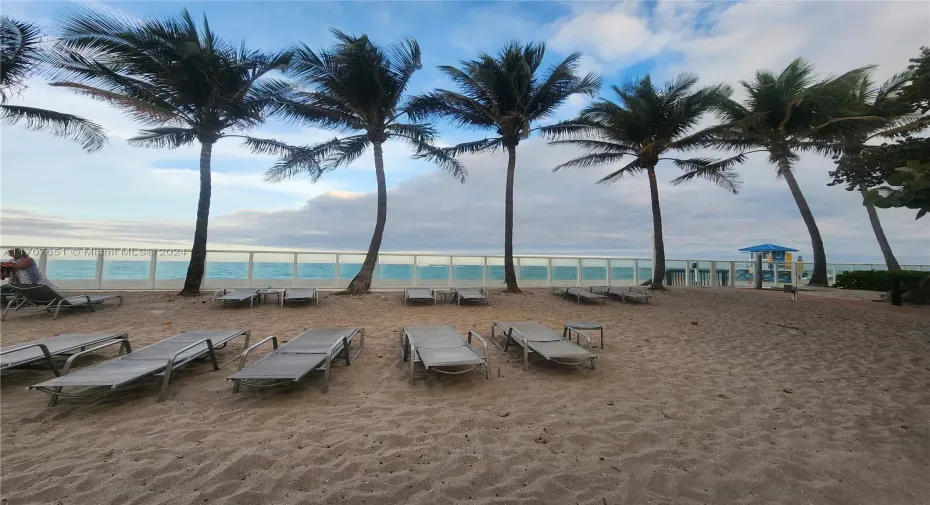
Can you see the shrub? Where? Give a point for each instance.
(878, 280)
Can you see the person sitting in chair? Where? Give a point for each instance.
(23, 270)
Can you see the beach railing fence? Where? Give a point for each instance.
(136, 269)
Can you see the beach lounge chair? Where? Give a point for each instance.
(580, 294)
(440, 347)
(313, 349)
(60, 345)
(608, 291)
(299, 295)
(419, 295)
(538, 338)
(474, 295)
(235, 296)
(636, 294)
(161, 358)
(44, 298)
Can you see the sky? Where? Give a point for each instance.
(54, 194)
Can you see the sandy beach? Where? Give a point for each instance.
(705, 396)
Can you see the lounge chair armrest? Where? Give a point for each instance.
(45, 352)
(245, 353)
(123, 342)
(587, 338)
(209, 343)
(484, 343)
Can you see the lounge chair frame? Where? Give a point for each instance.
(634, 294)
(407, 297)
(315, 299)
(485, 298)
(341, 346)
(56, 304)
(579, 294)
(409, 353)
(514, 335)
(171, 364)
(47, 355)
(217, 297)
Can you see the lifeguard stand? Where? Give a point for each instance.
(776, 261)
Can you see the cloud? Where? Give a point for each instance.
(562, 212)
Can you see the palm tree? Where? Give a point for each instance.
(505, 94)
(647, 123)
(786, 114)
(188, 85)
(898, 117)
(356, 86)
(20, 55)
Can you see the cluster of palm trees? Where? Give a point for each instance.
(187, 86)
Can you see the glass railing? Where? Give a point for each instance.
(115, 269)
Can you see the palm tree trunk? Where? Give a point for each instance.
(362, 281)
(198, 261)
(510, 274)
(819, 277)
(883, 244)
(658, 242)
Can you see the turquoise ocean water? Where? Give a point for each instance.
(177, 270)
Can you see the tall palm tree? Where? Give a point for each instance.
(786, 114)
(188, 85)
(20, 55)
(644, 125)
(506, 93)
(355, 86)
(897, 117)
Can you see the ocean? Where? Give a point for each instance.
(230, 270)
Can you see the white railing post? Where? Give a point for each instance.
(731, 275)
(484, 272)
(43, 261)
(578, 280)
(795, 275)
(609, 274)
(549, 272)
(294, 271)
(688, 273)
(833, 270)
(636, 272)
(336, 272)
(451, 277)
(416, 266)
(249, 271)
(518, 265)
(713, 274)
(98, 274)
(153, 267)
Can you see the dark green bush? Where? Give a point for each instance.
(878, 280)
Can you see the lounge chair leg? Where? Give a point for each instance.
(164, 385)
(120, 302)
(526, 356)
(413, 361)
(53, 400)
(602, 338)
(329, 362)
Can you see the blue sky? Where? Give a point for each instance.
(53, 193)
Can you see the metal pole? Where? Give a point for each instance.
(757, 272)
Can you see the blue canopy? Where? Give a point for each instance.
(767, 248)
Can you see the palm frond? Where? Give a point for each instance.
(164, 137)
(488, 145)
(90, 135)
(591, 160)
(19, 54)
(718, 172)
(630, 169)
(267, 146)
(313, 161)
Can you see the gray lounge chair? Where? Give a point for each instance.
(60, 345)
(44, 298)
(161, 358)
(298, 295)
(236, 296)
(538, 338)
(313, 349)
(579, 294)
(441, 347)
(475, 295)
(636, 294)
(608, 291)
(419, 295)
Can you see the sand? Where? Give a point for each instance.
(705, 396)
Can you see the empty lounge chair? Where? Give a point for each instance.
(474, 295)
(161, 358)
(299, 295)
(313, 349)
(636, 294)
(419, 295)
(580, 294)
(608, 291)
(235, 296)
(440, 347)
(44, 298)
(60, 345)
(538, 338)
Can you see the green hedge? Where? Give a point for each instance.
(878, 280)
